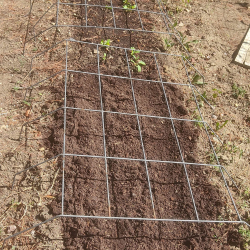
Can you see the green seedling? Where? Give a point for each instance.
(187, 44)
(198, 122)
(128, 6)
(105, 42)
(108, 7)
(27, 103)
(218, 126)
(136, 59)
(197, 79)
(15, 88)
(217, 91)
(238, 91)
(168, 43)
(174, 24)
(104, 56)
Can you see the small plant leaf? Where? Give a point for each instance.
(197, 80)
(142, 63)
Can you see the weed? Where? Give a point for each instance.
(241, 153)
(108, 7)
(217, 91)
(27, 103)
(245, 233)
(219, 126)
(128, 6)
(246, 193)
(185, 43)
(136, 59)
(168, 43)
(14, 89)
(197, 79)
(198, 123)
(238, 91)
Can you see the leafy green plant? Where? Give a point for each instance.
(128, 6)
(136, 59)
(238, 91)
(105, 42)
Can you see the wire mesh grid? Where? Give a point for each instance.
(107, 16)
(147, 158)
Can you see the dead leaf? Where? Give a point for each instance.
(27, 113)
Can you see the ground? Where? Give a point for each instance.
(212, 32)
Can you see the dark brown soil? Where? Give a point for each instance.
(85, 178)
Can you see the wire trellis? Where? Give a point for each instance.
(145, 159)
(140, 15)
(142, 27)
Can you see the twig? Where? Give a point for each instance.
(53, 182)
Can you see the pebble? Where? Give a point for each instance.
(11, 228)
(214, 117)
(181, 24)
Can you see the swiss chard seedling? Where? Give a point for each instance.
(105, 43)
(128, 6)
(136, 59)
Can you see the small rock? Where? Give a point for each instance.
(165, 69)
(215, 139)
(221, 116)
(11, 228)
(181, 24)
(42, 149)
(95, 51)
(214, 117)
